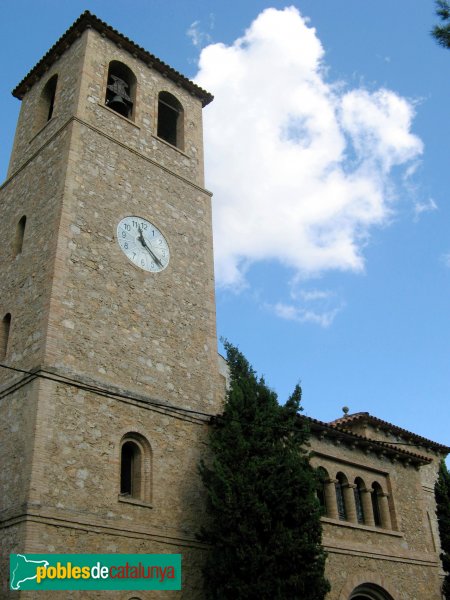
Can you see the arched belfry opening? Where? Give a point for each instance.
(170, 120)
(121, 89)
(46, 104)
(370, 591)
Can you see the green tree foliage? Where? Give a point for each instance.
(442, 494)
(442, 32)
(265, 531)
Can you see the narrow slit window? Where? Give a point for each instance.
(170, 120)
(4, 335)
(20, 233)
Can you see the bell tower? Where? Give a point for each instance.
(107, 313)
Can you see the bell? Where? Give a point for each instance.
(118, 104)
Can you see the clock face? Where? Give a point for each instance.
(143, 244)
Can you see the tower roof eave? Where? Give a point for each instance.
(321, 429)
(347, 421)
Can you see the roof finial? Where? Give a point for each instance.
(345, 410)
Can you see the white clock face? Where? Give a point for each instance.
(143, 244)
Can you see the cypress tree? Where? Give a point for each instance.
(442, 495)
(264, 532)
(442, 32)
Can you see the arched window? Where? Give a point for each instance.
(340, 483)
(46, 103)
(322, 478)
(376, 493)
(20, 232)
(170, 120)
(358, 491)
(135, 467)
(130, 469)
(4, 335)
(121, 89)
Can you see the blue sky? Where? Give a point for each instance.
(327, 152)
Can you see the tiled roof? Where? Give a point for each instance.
(328, 430)
(364, 417)
(89, 21)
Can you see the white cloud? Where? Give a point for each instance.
(311, 295)
(308, 306)
(301, 314)
(198, 37)
(423, 207)
(300, 168)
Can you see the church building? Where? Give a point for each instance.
(109, 368)
(379, 512)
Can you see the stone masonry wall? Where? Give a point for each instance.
(76, 470)
(17, 428)
(29, 139)
(74, 502)
(109, 319)
(139, 133)
(403, 580)
(35, 192)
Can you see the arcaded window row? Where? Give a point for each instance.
(353, 501)
(120, 97)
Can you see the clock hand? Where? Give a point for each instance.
(141, 237)
(147, 247)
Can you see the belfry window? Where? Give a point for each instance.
(46, 104)
(121, 89)
(135, 468)
(20, 232)
(4, 335)
(170, 120)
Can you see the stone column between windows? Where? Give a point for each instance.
(366, 499)
(330, 498)
(384, 511)
(349, 499)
